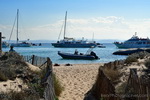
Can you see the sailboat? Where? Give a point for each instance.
(4, 43)
(71, 42)
(20, 43)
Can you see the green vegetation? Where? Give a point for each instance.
(147, 63)
(143, 54)
(22, 95)
(57, 86)
(2, 76)
(12, 65)
(121, 89)
(112, 74)
(134, 57)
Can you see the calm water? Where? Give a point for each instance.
(46, 50)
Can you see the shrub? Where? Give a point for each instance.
(112, 74)
(135, 56)
(37, 88)
(57, 86)
(131, 58)
(143, 54)
(121, 89)
(22, 95)
(147, 63)
(8, 55)
(2, 76)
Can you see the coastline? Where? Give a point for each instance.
(76, 79)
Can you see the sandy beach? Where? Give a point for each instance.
(76, 79)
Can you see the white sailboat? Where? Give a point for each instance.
(20, 43)
(71, 42)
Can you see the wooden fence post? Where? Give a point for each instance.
(33, 57)
(49, 64)
(49, 92)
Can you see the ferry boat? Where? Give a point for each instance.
(134, 42)
(73, 43)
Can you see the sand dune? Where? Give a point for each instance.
(76, 79)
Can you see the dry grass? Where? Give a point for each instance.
(134, 57)
(12, 66)
(2, 76)
(121, 89)
(131, 58)
(22, 95)
(112, 74)
(147, 63)
(57, 86)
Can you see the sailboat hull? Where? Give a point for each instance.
(85, 45)
(5, 45)
(21, 45)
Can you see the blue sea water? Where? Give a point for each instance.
(47, 50)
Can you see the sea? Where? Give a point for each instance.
(47, 50)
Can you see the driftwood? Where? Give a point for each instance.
(103, 89)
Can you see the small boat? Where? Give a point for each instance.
(5, 44)
(101, 46)
(87, 56)
(20, 43)
(134, 42)
(73, 43)
(130, 51)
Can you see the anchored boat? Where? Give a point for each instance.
(90, 55)
(5, 44)
(20, 43)
(73, 43)
(134, 42)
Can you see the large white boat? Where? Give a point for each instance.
(134, 42)
(73, 43)
(20, 43)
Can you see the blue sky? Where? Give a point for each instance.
(107, 19)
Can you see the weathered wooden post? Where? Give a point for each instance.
(0, 43)
(49, 92)
(33, 57)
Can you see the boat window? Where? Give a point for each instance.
(139, 42)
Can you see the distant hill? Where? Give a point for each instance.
(50, 41)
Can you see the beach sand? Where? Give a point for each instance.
(77, 79)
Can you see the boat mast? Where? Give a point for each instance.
(17, 23)
(65, 24)
(93, 37)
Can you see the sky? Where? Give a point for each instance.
(103, 19)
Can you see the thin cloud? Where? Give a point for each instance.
(111, 27)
